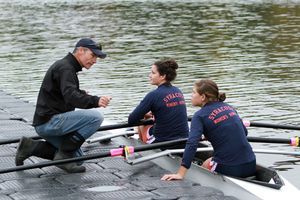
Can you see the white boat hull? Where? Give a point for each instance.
(228, 185)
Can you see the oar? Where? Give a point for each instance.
(290, 141)
(113, 135)
(276, 152)
(102, 128)
(164, 153)
(113, 152)
(265, 125)
(36, 137)
(173, 151)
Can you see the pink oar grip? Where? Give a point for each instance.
(294, 141)
(116, 152)
(246, 123)
(119, 151)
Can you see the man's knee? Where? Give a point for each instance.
(98, 115)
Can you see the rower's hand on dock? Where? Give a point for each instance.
(104, 101)
(168, 177)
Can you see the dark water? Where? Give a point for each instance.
(250, 48)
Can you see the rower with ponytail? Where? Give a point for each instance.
(166, 104)
(223, 128)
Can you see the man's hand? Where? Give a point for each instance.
(104, 101)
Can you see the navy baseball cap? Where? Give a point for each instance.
(92, 45)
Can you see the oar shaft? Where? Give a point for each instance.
(101, 138)
(102, 128)
(266, 125)
(125, 125)
(276, 152)
(55, 162)
(9, 141)
(290, 141)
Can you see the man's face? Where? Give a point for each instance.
(87, 58)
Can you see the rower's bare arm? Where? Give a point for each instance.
(179, 176)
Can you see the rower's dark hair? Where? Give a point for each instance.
(210, 89)
(167, 68)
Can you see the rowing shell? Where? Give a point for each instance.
(267, 184)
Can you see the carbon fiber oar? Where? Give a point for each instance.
(290, 141)
(102, 128)
(122, 151)
(265, 125)
(113, 135)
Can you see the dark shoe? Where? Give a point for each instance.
(69, 167)
(68, 148)
(29, 147)
(25, 150)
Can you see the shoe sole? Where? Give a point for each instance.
(83, 169)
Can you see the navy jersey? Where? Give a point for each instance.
(221, 126)
(168, 107)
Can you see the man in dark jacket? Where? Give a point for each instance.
(55, 119)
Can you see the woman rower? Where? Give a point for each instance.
(166, 104)
(221, 125)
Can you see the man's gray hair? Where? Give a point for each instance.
(76, 49)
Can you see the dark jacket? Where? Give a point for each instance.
(60, 91)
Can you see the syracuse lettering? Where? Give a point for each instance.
(214, 113)
(173, 96)
(224, 117)
(175, 103)
(221, 119)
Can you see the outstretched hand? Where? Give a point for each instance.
(168, 177)
(104, 101)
